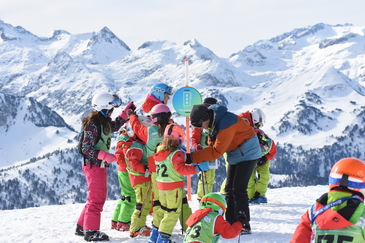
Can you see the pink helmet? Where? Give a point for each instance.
(160, 114)
(175, 131)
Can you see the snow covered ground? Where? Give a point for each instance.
(272, 222)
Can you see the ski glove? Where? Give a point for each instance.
(124, 113)
(203, 166)
(108, 157)
(262, 161)
(131, 112)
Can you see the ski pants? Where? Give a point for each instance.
(96, 179)
(260, 182)
(238, 176)
(171, 204)
(205, 183)
(143, 205)
(125, 206)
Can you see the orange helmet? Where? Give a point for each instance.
(348, 172)
(175, 131)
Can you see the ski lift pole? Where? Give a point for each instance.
(187, 121)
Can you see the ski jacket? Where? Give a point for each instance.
(268, 146)
(136, 161)
(199, 137)
(150, 102)
(341, 223)
(170, 169)
(149, 135)
(229, 132)
(246, 116)
(91, 144)
(205, 225)
(120, 151)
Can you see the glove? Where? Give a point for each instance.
(188, 159)
(131, 112)
(124, 113)
(203, 166)
(262, 161)
(241, 216)
(108, 157)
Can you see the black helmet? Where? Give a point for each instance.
(199, 114)
(210, 101)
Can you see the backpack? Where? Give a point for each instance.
(79, 145)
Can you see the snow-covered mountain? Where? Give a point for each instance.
(309, 82)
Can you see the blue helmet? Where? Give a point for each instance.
(158, 90)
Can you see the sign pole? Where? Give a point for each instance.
(187, 118)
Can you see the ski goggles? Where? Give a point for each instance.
(116, 102)
(167, 90)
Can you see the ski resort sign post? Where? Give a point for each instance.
(183, 101)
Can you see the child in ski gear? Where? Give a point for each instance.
(199, 140)
(153, 136)
(96, 156)
(140, 178)
(170, 164)
(121, 218)
(207, 223)
(232, 135)
(339, 215)
(257, 186)
(159, 94)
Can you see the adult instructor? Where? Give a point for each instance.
(229, 134)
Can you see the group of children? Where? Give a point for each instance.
(152, 163)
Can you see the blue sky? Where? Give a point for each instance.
(224, 26)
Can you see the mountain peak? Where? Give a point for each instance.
(105, 35)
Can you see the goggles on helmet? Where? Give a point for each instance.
(116, 102)
(167, 90)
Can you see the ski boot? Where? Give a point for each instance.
(144, 231)
(260, 199)
(246, 229)
(95, 235)
(123, 226)
(79, 230)
(154, 235)
(114, 224)
(163, 238)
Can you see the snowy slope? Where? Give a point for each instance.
(272, 222)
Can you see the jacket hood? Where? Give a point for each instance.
(197, 215)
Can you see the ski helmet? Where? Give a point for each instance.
(103, 100)
(258, 118)
(348, 172)
(214, 201)
(210, 101)
(128, 129)
(144, 120)
(158, 90)
(175, 131)
(199, 114)
(160, 113)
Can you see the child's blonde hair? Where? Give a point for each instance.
(170, 144)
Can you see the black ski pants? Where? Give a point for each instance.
(236, 189)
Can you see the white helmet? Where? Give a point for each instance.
(105, 100)
(258, 118)
(144, 120)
